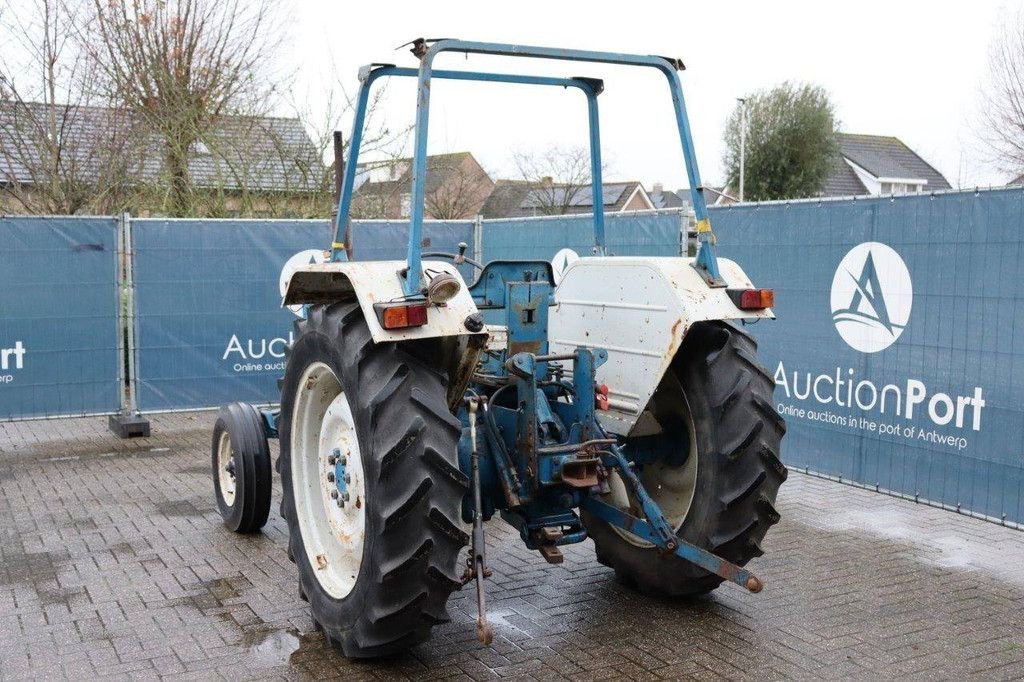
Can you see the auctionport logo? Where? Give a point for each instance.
(299, 260)
(11, 359)
(871, 297)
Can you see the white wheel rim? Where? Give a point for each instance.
(224, 469)
(671, 488)
(322, 427)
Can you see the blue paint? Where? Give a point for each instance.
(340, 474)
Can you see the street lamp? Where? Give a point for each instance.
(743, 140)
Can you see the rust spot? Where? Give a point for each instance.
(359, 502)
(524, 347)
(675, 326)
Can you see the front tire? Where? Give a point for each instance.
(241, 468)
(720, 469)
(378, 569)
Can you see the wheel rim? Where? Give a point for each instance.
(671, 488)
(226, 469)
(332, 527)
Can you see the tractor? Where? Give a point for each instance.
(625, 405)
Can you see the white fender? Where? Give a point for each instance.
(370, 282)
(639, 310)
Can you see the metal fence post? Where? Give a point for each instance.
(478, 238)
(128, 422)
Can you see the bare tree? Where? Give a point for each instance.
(181, 65)
(559, 176)
(58, 153)
(456, 187)
(381, 142)
(1003, 97)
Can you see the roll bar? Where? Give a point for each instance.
(426, 50)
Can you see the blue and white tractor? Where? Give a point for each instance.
(625, 405)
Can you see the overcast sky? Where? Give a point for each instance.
(909, 69)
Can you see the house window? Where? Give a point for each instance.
(405, 206)
(886, 188)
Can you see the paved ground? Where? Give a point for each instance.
(113, 562)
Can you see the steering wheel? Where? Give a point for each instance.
(457, 258)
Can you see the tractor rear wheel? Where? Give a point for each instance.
(371, 483)
(716, 471)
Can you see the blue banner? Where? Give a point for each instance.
(626, 234)
(389, 240)
(210, 326)
(898, 354)
(58, 316)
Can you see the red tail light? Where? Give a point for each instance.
(752, 299)
(401, 315)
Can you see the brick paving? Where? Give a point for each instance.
(113, 562)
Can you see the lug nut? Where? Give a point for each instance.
(341, 504)
(348, 479)
(332, 460)
(330, 476)
(343, 460)
(344, 496)
(334, 494)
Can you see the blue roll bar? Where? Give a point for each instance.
(706, 262)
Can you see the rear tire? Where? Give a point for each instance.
(398, 536)
(241, 468)
(735, 434)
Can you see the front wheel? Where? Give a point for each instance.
(713, 469)
(371, 485)
(241, 468)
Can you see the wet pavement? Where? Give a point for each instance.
(113, 562)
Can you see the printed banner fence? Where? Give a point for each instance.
(898, 353)
(59, 347)
(389, 239)
(626, 234)
(210, 329)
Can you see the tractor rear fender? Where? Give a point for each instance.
(372, 282)
(639, 310)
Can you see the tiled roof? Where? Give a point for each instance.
(439, 168)
(515, 198)
(506, 198)
(252, 153)
(842, 180)
(888, 157)
(666, 198)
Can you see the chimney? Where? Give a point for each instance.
(657, 189)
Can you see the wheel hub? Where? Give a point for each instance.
(226, 469)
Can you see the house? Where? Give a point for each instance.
(521, 198)
(866, 165)
(877, 164)
(663, 198)
(456, 188)
(1016, 182)
(72, 159)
